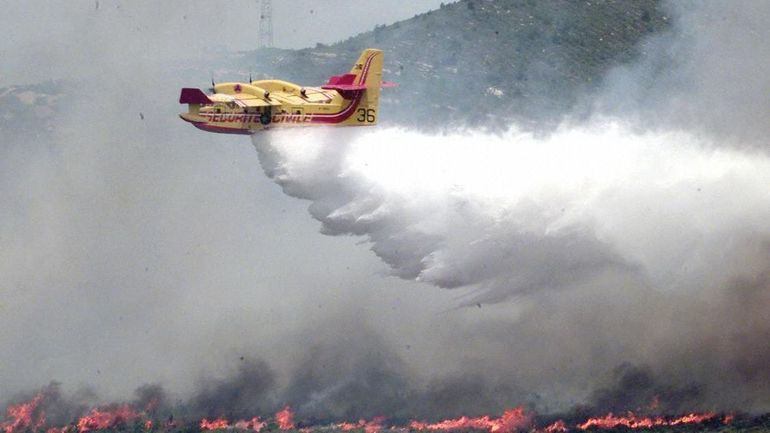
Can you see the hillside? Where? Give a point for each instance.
(484, 62)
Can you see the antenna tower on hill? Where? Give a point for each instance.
(265, 23)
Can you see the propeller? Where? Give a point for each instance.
(250, 80)
(211, 89)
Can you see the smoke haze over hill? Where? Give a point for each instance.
(709, 74)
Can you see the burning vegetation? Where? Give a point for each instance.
(30, 417)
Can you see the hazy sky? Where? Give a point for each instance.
(46, 39)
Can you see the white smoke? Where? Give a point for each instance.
(504, 215)
(708, 73)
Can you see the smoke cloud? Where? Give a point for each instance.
(626, 240)
(708, 74)
(632, 246)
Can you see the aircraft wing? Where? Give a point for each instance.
(345, 83)
(246, 100)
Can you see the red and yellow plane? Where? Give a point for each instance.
(245, 108)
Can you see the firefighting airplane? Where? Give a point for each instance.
(245, 108)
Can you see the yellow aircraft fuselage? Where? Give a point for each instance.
(350, 99)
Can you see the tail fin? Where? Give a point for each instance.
(368, 72)
(195, 98)
(368, 68)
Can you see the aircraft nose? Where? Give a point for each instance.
(187, 117)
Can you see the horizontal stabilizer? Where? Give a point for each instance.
(341, 79)
(347, 83)
(343, 83)
(344, 87)
(193, 96)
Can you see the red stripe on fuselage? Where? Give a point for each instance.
(339, 117)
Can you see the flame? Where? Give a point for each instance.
(633, 421)
(285, 418)
(693, 418)
(30, 417)
(557, 427)
(513, 420)
(255, 424)
(25, 416)
(101, 419)
(373, 426)
(217, 424)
